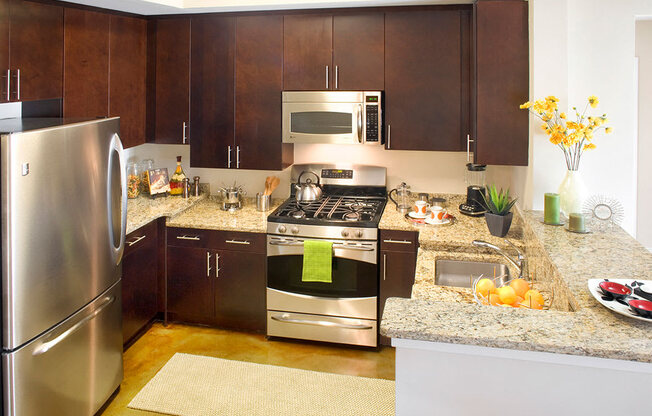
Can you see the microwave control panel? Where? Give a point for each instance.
(373, 118)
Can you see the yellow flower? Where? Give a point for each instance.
(572, 125)
(593, 100)
(544, 127)
(556, 138)
(525, 105)
(589, 146)
(552, 99)
(562, 115)
(608, 130)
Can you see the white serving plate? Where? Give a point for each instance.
(614, 305)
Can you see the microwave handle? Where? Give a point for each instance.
(359, 123)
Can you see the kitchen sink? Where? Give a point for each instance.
(462, 273)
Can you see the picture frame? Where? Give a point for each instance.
(158, 182)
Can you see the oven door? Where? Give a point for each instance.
(333, 123)
(355, 268)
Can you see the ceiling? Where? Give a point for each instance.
(155, 7)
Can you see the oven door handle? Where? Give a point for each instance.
(335, 246)
(320, 323)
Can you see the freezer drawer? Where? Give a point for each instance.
(71, 369)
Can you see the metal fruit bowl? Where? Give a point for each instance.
(546, 291)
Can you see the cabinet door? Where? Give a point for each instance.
(240, 290)
(423, 80)
(211, 92)
(500, 127)
(139, 280)
(396, 279)
(85, 64)
(307, 57)
(259, 82)
(359, 52)
(4, 51)
(128, 77)
(172, 79)
(190, 288)
(36, 49)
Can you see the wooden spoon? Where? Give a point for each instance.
(268, 183)
(274, 184)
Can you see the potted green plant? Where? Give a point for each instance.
(499, 215)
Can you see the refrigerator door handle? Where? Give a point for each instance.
(46, 346)
(116, 148)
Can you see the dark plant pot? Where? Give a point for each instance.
(499, 224)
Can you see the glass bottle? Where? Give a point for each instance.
(176, 181)
(133, 180)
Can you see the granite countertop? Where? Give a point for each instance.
(577, 324)
(207, 215)
(456, 236)
(142, 210)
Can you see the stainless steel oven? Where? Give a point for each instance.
(336, 117)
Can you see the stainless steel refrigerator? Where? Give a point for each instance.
(64, 207)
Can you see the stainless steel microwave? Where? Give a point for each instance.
(336, 117)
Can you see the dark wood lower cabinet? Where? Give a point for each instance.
(139, 280)
(191, 285)
(216, 278)
(398, 258)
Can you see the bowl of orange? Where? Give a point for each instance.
(513, 293)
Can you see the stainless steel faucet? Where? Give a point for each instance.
(519, 263)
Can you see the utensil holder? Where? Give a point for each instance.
(263, 202)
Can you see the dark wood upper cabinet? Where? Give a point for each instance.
(35, 50)
(501, 81)
(212, 92)
(85, 64)
(307, 58)
(258, 87)
(4, 51)
(424, 103)
(172, 80)
(358, 52)
(127, 76)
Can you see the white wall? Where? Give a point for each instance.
(644, 191)
(593, 55)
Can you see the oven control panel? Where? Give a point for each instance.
(337, 173)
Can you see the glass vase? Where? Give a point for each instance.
(572, 192)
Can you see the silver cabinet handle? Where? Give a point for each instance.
(245, 242)
(469, 140)
(397, 241)
(47, 346)
(337, 75)
(188, 237)
(229, 156)
(237, 157)
(8, 84)
(136, 240)
(217, 265)
(185, 138)
(282, 318)
(326, 76)
(384, 266)
(359, 122)
(208, 264)
(389, 136)
(18, 84)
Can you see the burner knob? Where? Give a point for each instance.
(295, 230)
(345, 233)
(282, 229)
(359, 234)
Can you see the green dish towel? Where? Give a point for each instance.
(317, 261)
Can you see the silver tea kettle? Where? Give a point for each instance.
(402, 201)
(307, 191)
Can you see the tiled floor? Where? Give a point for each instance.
(144, 358)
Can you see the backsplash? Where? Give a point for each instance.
(441, 172)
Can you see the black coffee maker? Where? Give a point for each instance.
(475, 190)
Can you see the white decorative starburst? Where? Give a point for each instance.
(603, 211)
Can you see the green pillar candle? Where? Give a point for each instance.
(551, 209)
(576, 222)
